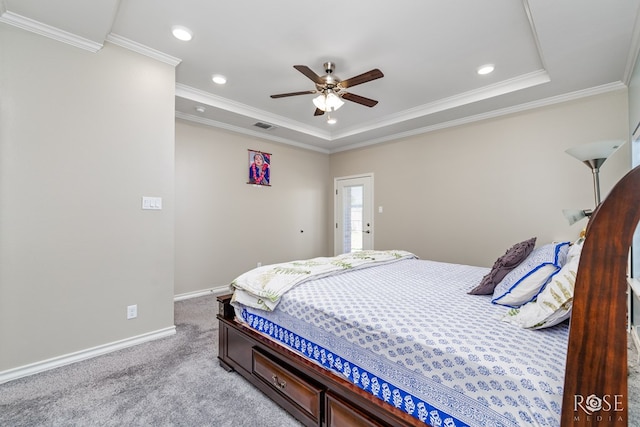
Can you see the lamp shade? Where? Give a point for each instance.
(328, 102)
(595, 150)
(574, 215)
(594, 155)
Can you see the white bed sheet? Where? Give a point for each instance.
(445, 357)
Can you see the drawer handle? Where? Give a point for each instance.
(279, 384)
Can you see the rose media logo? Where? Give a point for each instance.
(595, 409)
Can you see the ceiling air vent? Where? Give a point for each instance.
(265, 126)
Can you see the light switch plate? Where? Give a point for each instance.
(154, 203)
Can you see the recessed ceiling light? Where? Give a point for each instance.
(486, 69)
(200, 109)
(218, 79)
(181, 33)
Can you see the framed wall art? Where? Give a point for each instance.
(259, 168)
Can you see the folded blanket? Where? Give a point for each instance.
(263, 287)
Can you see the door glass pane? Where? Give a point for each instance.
(352, 208)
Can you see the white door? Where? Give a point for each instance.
(353, 213)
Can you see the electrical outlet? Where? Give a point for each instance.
(259, 264)
(132, 311)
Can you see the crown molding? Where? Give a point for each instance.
(187, 92)
(506, 86)
(49, 31)
(634, 49)
(143, 50)
(206, 98)
(598, 90)
(249, 132)
(534, 32)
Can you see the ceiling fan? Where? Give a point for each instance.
(332, 90)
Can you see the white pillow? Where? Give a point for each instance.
(553, 304)
(524, 283)
(575, 249)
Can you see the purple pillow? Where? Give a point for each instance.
(503, 265)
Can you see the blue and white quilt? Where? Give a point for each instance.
(408, 333)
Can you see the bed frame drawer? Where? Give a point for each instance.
(292, 386)
(343, 414)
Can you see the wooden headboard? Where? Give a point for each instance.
(595, 388)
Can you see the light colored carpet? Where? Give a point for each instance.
(175, 381)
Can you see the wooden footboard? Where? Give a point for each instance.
(313, 395)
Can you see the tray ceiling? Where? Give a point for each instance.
(429, 51)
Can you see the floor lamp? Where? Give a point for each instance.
(593, 155)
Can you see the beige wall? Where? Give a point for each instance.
(83, 136)
(225, 226)
(466, 194)
(79, 150)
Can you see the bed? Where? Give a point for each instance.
(401, 341)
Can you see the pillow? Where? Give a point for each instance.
(553, 304)
(575, 249)
(523, 283)
(503, 265)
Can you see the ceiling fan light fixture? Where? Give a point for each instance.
(328, 102)
(333, 101)
(182, 33)
(319, 102)
(330, 91)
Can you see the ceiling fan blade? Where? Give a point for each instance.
(359, 99)
(362, 78)
(309, 73)
(282, 95)
(318, 112)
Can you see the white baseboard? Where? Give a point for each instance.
(220, 290)
(67, 359)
